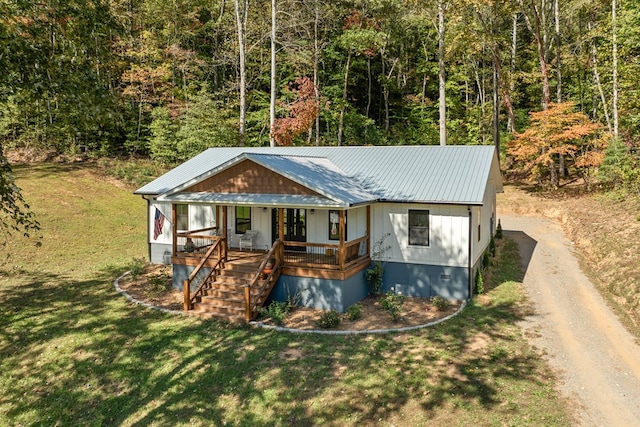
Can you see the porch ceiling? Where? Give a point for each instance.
(266, 200)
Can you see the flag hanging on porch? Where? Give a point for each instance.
(158, 223)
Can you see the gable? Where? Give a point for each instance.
(248, 177)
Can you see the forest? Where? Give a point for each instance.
(551, 83)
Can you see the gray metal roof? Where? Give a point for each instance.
(352, 175)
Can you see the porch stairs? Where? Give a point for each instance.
(224, 296)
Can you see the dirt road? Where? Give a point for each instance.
(597, 360)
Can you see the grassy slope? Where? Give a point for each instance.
(74, 352)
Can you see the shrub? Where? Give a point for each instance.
(354, 312)
(499, 230)
(329, 319)
(485, 260)
(277, 311)
(492, 247)
(157, 285)
(392, 303)
(479, 282)
(374, 277)
(136, 267)
(440, 303)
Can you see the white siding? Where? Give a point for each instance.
(318, 225)
(487, 220)
(448, 233)
(165, 208)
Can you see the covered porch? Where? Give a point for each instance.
(322, 259)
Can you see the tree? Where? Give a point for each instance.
(441, 75)
(559, 130)
(302, 112)
(15, 214)
(241, 26)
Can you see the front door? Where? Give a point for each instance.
(295, 225)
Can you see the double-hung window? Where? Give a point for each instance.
(418, 227)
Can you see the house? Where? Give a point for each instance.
(243, 224)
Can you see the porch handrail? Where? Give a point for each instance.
(273, 254)
(188, 297)
(186, 233)
(348, 248)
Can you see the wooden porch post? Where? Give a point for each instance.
(218, 222)
(281, 233)
(187, 295)
(174, 229)
(225, 233)
(368, 230)
(343, 251)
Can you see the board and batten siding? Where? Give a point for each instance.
(200, 216)
(448, 233)
(488, 222)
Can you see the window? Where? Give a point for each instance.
(418, 227)
(334, 225)
(479, 223)
(182, 217)
(243, 219)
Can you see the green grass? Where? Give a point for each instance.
(75, 352)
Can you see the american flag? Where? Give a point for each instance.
(158, 223)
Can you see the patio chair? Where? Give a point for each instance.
(248, 239)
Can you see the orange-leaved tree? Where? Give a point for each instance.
(301, 113)
(559, 131)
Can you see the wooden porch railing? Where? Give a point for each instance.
(258, 289)
(200, 276)
(326, 255)
(195, 242)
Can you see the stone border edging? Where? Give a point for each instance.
(142, 303)
(358, 332)
(291, 330)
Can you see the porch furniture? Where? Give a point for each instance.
(248, 239)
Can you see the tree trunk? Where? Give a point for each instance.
(536, 30)
(614, 66)
(441, 75)
(511, 120)
(241, 22)
(556, 14)
(344, 99)
(272, 103)
(596, 80)
(316, 61)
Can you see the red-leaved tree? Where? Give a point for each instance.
(301, 112)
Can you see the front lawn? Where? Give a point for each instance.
(75, 352)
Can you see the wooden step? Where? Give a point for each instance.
(220, 309)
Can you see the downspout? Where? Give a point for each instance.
(470, 266)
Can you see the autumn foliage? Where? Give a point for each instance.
(300, 113)
(559, 133)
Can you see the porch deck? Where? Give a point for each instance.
(299, 259)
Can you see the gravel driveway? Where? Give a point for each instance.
(597, 360)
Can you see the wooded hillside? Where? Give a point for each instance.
(167, 79)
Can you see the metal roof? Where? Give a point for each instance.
(428, 174)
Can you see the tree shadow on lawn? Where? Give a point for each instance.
(76, 352)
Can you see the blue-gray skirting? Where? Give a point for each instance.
(414, 280)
